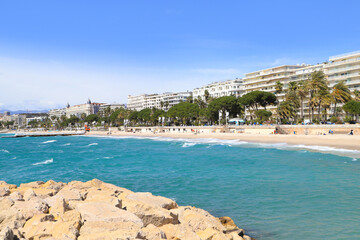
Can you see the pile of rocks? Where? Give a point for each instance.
(98, 210)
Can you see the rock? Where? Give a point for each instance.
(16, 196)
(96, 230)
(30, 208)
(58, 208)
(53, 185)
(152, 200)
(44, 226)
(179, 231)
(6, 234)
(10, 186)
(44, 192)
(108, 196)
(98, 211)
(150, 232)
(36, 184)
(4, 191)
(29, 194)
(69, 194)
(198, 219)
(150, 214)
(211, 234)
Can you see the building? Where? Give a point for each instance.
(76, 110)
(112, 106)
(345, 67)
(137, 102)
(219, 89)
(160, 101)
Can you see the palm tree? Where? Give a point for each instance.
(340, 94)
(161, 105)
(319, 91)
(357, 95)
(278, 89)
(302, 92)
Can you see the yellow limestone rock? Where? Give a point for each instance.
(151, 232)
(99, 230)
(179, 231)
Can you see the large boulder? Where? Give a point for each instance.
(149, 214)
(4, 191)
(98, 211)
(156, 201)
(30, 208)
(99, 230)
(151, 232)
(179, 231)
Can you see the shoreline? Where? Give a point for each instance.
(339, 142)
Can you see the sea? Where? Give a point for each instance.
(273, 191)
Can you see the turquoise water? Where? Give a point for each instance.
(272, 191)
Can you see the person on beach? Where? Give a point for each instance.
(351, 132)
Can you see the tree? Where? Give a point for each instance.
(263, 115)
(278, 87)
(357, 95)
(91, 118)
(186, 112)
(302, 92)
(225, 104)
(340, 94)
(206, 95)
(287, 110)
(190, 99)
(319, 91)
(353, 108)
(161, 104)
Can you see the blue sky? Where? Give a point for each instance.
(54, 52)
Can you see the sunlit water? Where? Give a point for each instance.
(272, 191)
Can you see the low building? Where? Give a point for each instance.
(112, 106)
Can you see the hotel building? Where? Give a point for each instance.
(219, 89)
(160, 101)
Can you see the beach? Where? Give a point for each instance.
(344, 141)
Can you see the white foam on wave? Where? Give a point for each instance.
(92, 144)
(354, 160)
(14, 158)
(67, 144)
(281, 146)
(4, 150)
(44, 162)
(50, 141)
(108, 157)
(185, 145)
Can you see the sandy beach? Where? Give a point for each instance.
(335, 141)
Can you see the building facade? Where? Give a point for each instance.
(160, 101)
(219, 89)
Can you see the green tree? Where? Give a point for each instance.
(287, 111)
(353, 108)
(319, 91)
(91, 118)
(263, 115)
(340, 94)
(186, 112)
(225, 104)
(302, 93)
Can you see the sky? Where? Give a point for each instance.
(58, 52)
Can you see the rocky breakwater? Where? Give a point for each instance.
(98, 210)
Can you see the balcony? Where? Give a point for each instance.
(344, 69)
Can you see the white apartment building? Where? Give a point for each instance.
(112, 106)
(345, 67)
(219, 89)
(160, 101)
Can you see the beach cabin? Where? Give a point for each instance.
(236, 121)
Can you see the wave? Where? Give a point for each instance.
(44, 162)
(108, 157)
(92, 144)
(4, 150)
(67, 144)
(50, 141)
(188, 145)
(224, 142)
